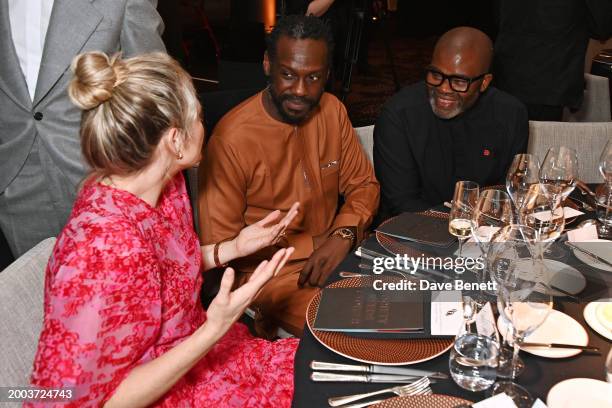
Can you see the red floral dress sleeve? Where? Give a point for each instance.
(102, 311)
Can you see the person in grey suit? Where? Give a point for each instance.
(40, 155)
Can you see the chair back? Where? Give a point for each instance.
(21, 313)
(366, 137)
(588, 139)
(596, 103)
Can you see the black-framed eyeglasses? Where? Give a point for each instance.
(458, 83)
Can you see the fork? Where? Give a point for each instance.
(408, 389)
(426, 391)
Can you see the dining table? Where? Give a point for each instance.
(538, 376)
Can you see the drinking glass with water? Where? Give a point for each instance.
(473, 361)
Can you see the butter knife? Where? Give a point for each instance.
(589, 253)
(559, 345)
(377, 369)
(365, 378)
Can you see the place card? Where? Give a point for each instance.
(585, 234)
(446, 312)
(497, 401)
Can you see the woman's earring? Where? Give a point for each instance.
(179, 156)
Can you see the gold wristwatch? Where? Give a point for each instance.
(345, 233)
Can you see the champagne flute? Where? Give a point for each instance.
(605, 168)
(522, 174)
(558, 174)
(460, 220)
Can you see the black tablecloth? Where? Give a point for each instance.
(539, 376)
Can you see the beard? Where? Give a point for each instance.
(287, 115)
(445, 113)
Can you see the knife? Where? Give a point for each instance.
(589, 253)
(558, 345)
(377, 369)
(367, 378)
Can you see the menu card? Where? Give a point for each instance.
(365, 310)
(419, 228)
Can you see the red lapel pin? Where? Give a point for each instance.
(486, 152)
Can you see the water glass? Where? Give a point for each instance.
(473, 361)
(603, 197)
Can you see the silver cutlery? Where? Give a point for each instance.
(550, 288)
(377, 369)
(559, 345)
(318, 376)
(587, 252)
(426, 391)
(408, 389)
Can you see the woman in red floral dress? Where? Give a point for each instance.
(123, 323)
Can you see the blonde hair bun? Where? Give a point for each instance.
(95, 77)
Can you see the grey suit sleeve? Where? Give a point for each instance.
(142, 28)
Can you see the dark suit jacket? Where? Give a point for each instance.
(418, 157)
(541, 46)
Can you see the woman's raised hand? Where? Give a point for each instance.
(228, 306)
(264, 232)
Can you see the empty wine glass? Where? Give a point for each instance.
(538, 213)
(521, 306)
(492, 212)
(460, 220)
(604, 200)
(605, 162)
(558, 174)
(522, 174)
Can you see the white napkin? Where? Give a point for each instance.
(584, 234)
(568, 212)
(497, 401)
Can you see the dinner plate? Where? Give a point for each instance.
(557, 328)
(581, 393)
(562, 276)
(590, 260)
(374, 351)
(594, 313)
(423, 401)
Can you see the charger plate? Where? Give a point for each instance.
(424, 401)
(397, 246)
(374, 351)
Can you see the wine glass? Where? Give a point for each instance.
(558, 174)
(538, 213)
(522, 174)
(605, 168)
(605, 162)
(521, 306)
(460, 220)
(492, 212)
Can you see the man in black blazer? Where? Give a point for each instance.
(452, 126)
(540, 50)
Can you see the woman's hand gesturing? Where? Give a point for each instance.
(227, 306)
(263, 233)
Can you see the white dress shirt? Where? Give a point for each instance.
(29, 22)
